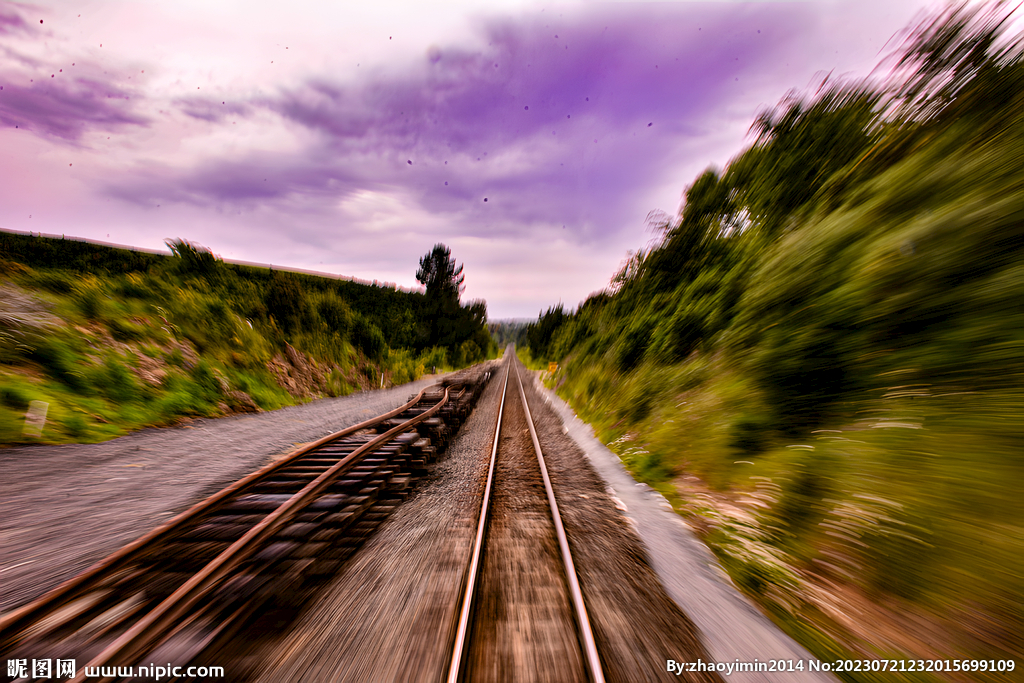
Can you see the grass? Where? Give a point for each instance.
(905, 508)
(114, 354)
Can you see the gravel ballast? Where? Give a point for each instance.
(391, 614)
(63, 508)
(732, 628)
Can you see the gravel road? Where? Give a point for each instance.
(62, 508)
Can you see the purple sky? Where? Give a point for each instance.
(532, 138)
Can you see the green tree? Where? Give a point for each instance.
(439, 274)
(195, 258)
(443, 280)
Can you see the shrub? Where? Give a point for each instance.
(124, 331)
(435, 358)
(368, 338)
(54, 281)
(15, 396)
(633, 342)
(117, 382)
(61, 363)
(749, 435)
(335, 313)
(337, 385)
(91, 302)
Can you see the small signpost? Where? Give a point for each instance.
(552, 368)
(35, 418)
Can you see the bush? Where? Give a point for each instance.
(61, 363)
(335, 313)
(124, 331)
(91, 302)
(206, 379)
(54, 281)
(633, 342)
(76, 425)
(116, 382)
(15, 396)
(285, 300)
(436, 359)
(337, 385)
(368, 338)
(133, 286)
(749, 435)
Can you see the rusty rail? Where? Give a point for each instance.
(146, 632)
(585, 633)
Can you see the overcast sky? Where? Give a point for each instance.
(532, 138)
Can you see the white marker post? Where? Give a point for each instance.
(35, 418)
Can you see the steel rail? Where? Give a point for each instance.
(582, 620)
(586, 635)
(462, 633)
(17, 620)
(146, 632)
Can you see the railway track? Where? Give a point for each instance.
(178, 589)
(522, 614)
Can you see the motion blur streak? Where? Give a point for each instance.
(821, 359)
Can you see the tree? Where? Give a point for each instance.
(462, 330)
(195, 258)
(440, 276)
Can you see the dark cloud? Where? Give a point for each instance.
(12, 23)
(550, 129)
(66, 107)
(213, 111)
(254, 180)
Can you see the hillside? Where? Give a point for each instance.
(821, 363)
(109, 340)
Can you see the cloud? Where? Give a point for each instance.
(12, 23)
(38, 95)
(541, 123)
(209, 110)
(67, 108)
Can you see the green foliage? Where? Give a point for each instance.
(337, 385)
(404, 367)
(91, 300)
(285, 301)
(435, 359)
(540, 334)
(115, 381)
(750, 434)
(335, 313)
(115, 340)
(15, 396)
(126, 330)
(368, 338)
(504, 333)
(439, 274)
(54, 281)
(61, 362)
(193, 258)
(832, 333)
(633, 341)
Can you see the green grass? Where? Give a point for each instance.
(913, 502)
(128, 351)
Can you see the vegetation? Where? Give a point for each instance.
(113, 340)
(821, 362)
(461, 329)
(505, 332)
